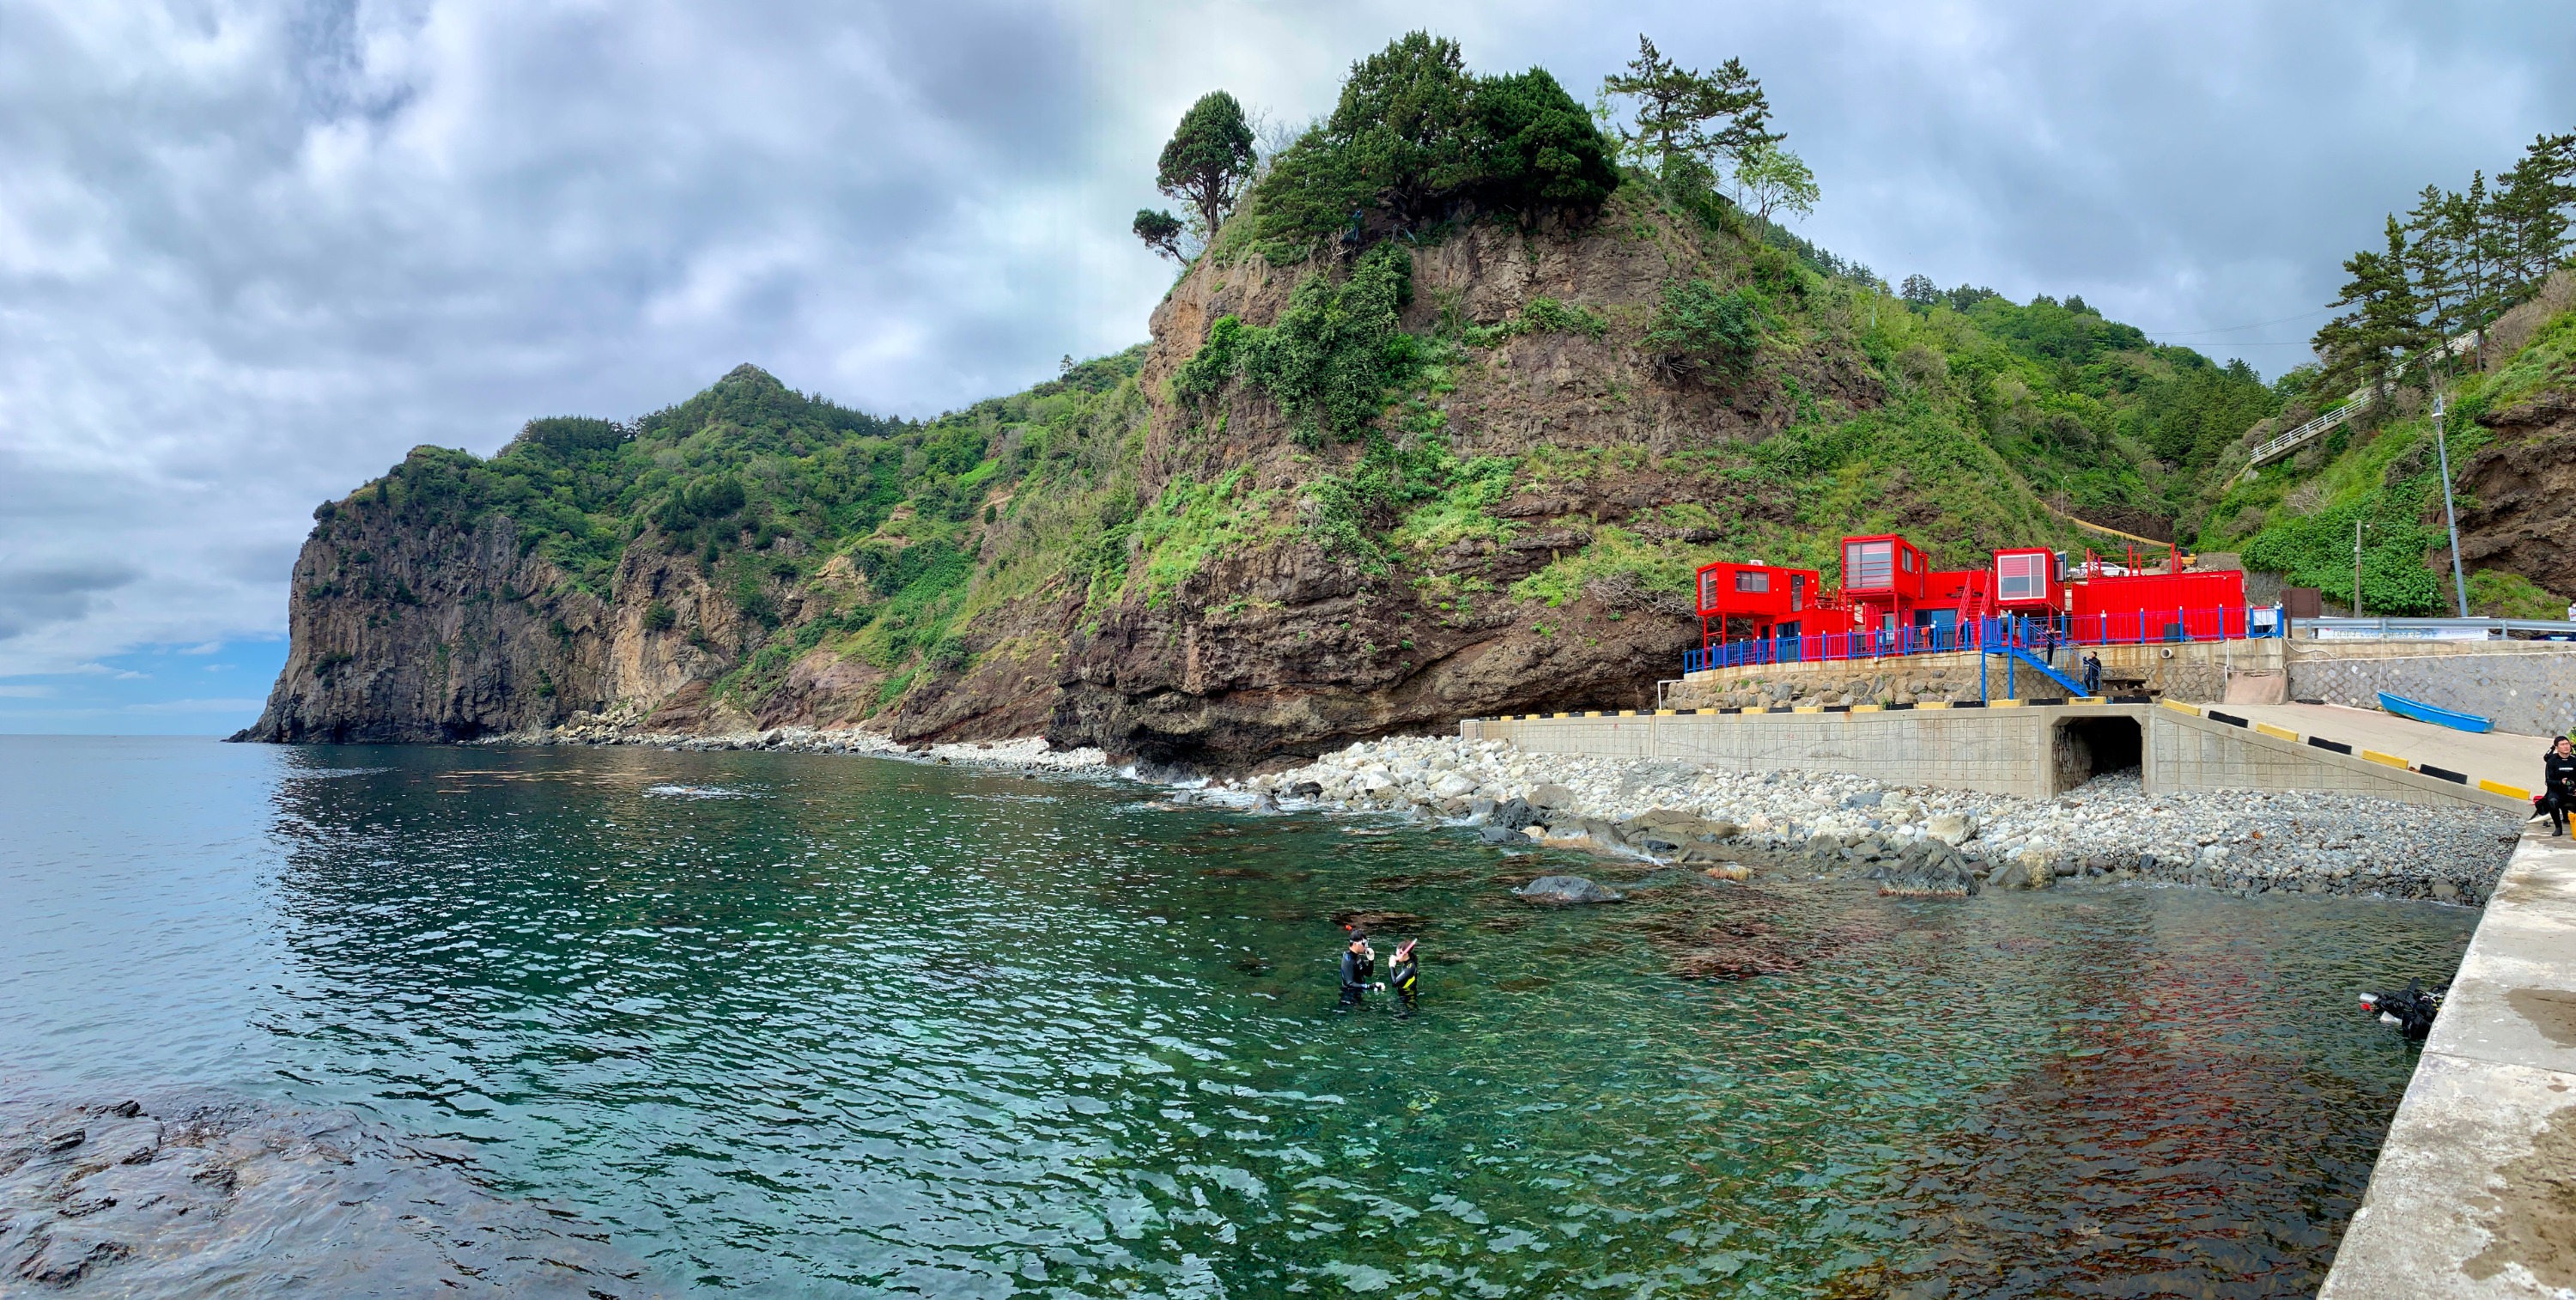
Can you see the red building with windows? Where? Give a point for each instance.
(1892, 601)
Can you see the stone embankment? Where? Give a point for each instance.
(1921, 839)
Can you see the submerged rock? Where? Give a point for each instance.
(1566, 891)
(194, 1192)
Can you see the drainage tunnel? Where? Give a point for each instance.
(2088, 747)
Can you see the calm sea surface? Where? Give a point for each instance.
(804, 1025)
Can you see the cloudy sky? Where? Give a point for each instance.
(251, 253)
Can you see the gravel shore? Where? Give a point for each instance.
(2244, 841)
(1918, 839)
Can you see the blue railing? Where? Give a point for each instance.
(1989, 635)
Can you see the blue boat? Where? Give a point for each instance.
(2422, 712)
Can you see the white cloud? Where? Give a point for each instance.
(250, 253)
(241, 706)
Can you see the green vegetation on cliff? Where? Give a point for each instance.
(1361, 427)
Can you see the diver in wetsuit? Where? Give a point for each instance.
(1405, 977)
(1359, 966)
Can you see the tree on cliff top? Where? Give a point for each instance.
(1714, 119)
(1208, 159)
(1419, 138)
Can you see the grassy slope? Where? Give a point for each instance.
(2296, 517)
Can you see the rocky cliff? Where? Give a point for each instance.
(1174, 556)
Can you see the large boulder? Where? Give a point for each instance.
(1452, 785)
(1513, 814)
(1953, 829)
(2030, 868)
(1552, 797)
(1566, 891)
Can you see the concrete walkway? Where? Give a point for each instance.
(2498, 756)
(2475, 1191)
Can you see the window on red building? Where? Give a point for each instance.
(2021, 577)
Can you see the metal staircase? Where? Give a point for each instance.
(2282, 445)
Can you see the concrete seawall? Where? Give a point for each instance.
(2474, 1194)
(2030, 750)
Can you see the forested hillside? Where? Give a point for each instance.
(2465, 301)
(1452, 394)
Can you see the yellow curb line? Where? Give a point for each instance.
(2179, 707)
(1936, 704)
(2390, 759)
(1807, 709)
(2508, 791)
(1866, 708)
(2005, 704)
(2278, 733)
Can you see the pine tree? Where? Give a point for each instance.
(2432, 260)
(2530, 212)
(1687, 122)
(2366, 345)
(1208, 159)
(2480, 246)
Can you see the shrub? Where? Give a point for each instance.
(1706, 332)
(659, 617)
(1337, 350)
(1416, 136)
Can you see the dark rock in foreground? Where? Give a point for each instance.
(1566, 891)
(192, 1192)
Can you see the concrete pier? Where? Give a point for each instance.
(2474, 1194)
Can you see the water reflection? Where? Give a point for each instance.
(868, 1028)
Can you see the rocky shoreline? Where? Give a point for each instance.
(1913, 840)
(191, 1192)
(1922, 840)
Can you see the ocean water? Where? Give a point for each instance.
(806, 1025)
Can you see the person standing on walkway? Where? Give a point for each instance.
(2092, 673)
(2558, 784)
(2051, 642)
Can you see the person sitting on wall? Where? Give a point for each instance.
(2558, 784)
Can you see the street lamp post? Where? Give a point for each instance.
(2450, 516)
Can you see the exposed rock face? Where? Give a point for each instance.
(403, 634)
(2525, 486)
(194, 1193)
(1286, 644)
(1290, 646)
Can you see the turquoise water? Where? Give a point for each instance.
(803, 1025)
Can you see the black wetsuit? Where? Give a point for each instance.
(1357, 973)
(2092, 675)
(2558, 782)
(1405, 979)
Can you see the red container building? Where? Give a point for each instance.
(1892, 601)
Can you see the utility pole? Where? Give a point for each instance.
(2356, 566)
(2450, 516)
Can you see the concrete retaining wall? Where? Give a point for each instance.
(2471, 1196)
(2034, 751)
(2525, 686)
(2191, 670)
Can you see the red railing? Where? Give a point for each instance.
(1988, 635)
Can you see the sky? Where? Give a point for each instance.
(250, 254)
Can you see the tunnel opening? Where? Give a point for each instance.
(2091, 747)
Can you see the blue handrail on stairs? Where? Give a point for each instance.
(2073, 687)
